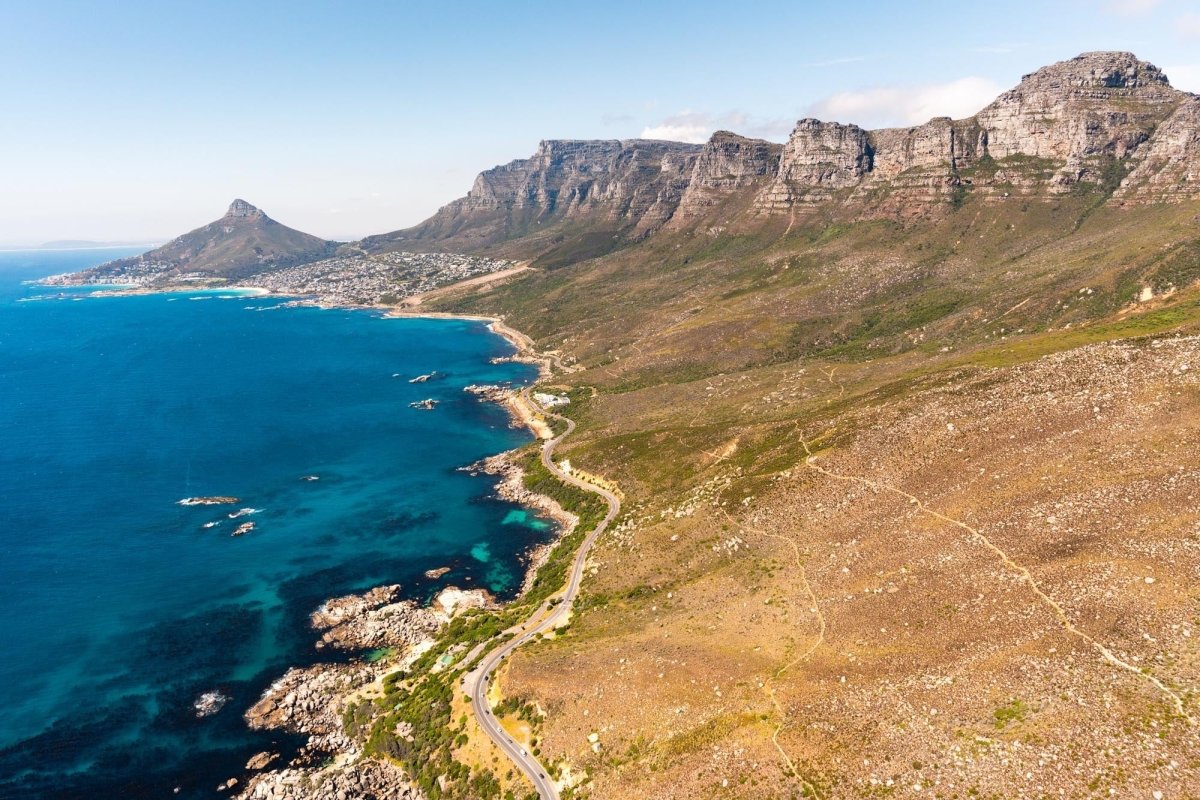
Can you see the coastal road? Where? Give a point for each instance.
(545, 618)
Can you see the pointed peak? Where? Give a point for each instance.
(240, 208)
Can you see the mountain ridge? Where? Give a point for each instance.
(1102, 122)
(1089, 121)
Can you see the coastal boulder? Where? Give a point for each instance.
(373, 619)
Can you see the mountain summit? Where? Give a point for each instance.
(240, 208)
(243, 242)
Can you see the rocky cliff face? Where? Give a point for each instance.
(240, 209)
(919, 166)
(819, 157)
(625, 179)
(1063, 124)
(628, 187)
(1167, 167)
(1091, 120)
(1076, 113)
(726, 164)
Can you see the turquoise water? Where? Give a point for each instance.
(118, 607)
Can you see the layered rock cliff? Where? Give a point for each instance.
(1105, 123)
(916, 168)
(627, 187)
(1167, 167)
(637, 181)
(1077, 112)
(1064, 124)
(819, 157)
(726, 164)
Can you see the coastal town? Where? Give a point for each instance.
(350, 280)
(387, 278)
(127, 272)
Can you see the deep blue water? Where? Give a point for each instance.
(117, 608)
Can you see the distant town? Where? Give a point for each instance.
(389, 278)
(386, 278)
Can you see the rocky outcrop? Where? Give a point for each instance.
(727, 163)
(364, 780)
(1076, 112)
(1168, 166)
(374, 620)
(240, 209)
(819, 158)
(511, 487)
(310, 700)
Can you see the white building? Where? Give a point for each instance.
(551, 400)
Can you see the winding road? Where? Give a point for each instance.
(547, 616)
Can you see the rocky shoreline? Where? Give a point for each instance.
(311, 700)
(511, 487)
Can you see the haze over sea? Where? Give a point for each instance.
(118, 608)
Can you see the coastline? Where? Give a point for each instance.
(314, 705)
(526, 352)
(312, 700)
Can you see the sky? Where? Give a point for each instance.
(142, 120)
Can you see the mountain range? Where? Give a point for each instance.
(1102, 123)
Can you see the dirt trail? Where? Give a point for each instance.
(768, 685)
(1022, 571)
(829, 377)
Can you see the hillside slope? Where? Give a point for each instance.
(905, 422)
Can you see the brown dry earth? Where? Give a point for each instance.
(989, 587)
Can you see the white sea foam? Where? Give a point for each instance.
(244, 512)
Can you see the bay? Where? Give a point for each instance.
(119, 607)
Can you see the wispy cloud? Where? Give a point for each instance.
(1131, 8)
(697, 126)
(615, 118)
(1188, 25)
(907, 105)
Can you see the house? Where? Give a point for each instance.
(548, 401)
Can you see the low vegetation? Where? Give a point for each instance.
(411, 721)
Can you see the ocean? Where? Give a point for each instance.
(119, 608)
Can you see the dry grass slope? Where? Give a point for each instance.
(914, 508)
